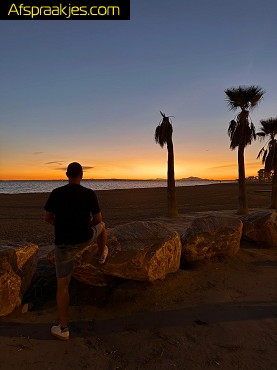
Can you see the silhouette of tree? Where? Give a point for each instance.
(163, 135)
(269, 153)
(242, 131)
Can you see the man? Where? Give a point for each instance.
(75, 213)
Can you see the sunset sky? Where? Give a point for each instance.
(91, 91)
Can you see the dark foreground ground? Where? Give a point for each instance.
(217, 315)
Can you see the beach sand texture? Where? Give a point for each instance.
(217, 315)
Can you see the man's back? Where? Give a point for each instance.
(72, 206)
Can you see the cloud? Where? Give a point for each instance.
(223, 166)
(235, 165)
(85, 168)
(55, 162)
(36, 153)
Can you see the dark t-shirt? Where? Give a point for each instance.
(72, 206)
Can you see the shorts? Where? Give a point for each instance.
(65, 254)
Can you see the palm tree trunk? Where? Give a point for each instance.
(243, 207)
(171, 193)
(274, 190)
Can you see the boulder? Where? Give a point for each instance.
(144, 251)
(211, 236)
(18, 264)
(261, 227)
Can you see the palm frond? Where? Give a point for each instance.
(157, 136)
(269, 129)
(163, 132)
(244, 97)
(268, 161)
(232, 128)
(241, 133)
(260, 153)
(264, 156)
(269, 126)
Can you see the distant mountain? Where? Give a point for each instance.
(193, 178)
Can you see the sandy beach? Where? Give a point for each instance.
(218, 315)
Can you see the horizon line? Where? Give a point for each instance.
(125, 179)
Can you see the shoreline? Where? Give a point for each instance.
(45, 186)
(251, 184)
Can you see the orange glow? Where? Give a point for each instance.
(136, 169)
(128, 162)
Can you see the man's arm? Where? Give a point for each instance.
(96, 219)
(49, 217)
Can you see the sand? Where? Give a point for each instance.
(217, 315)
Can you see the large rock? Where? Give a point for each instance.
(137, 250)
(143, 251)
(18, 264)
(261, 227)
(211, 236)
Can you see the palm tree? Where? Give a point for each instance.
(163, 135)
(242, 131)
(269, 155)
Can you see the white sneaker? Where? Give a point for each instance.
(59, 333)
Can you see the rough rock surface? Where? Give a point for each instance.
(261, 227)
(18, 264)
(211, 236)
(143, 251)
(140, 250)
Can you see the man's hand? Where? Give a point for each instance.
(96, 219)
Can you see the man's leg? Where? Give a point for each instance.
(102, 240)
(63, 299)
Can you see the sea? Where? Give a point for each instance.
(42, 186)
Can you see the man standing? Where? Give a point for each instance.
(75, 213)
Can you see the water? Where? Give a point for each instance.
(16, 187)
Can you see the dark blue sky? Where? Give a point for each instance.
(92, 90)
